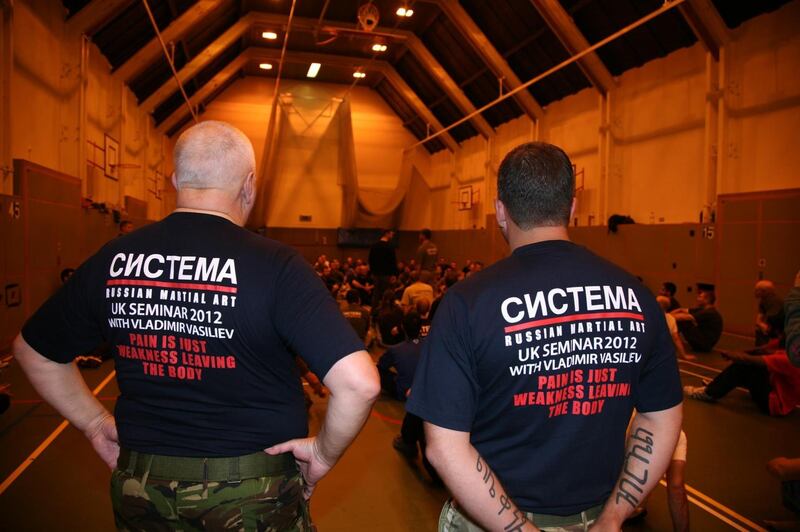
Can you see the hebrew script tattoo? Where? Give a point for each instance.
(505, 502)
(488, 477)
(631, 485)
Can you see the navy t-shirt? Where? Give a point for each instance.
(204, 318)
(404, 357)
(542, 358)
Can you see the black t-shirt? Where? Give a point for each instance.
(204, 318)
(382, 259)
(542, 358)
(709, 326)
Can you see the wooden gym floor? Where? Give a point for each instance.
(65, 486)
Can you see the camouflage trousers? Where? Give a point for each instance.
(452, 520)
(271, 503)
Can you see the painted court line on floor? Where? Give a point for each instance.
(722, 507)
(727, 514)
(46, 443)
(709, 368)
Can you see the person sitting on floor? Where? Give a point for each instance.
(390, 320)
(792, 323)
(770, 312)
(668, 290)
(787, 470)
(357, 315)
(773, 382)
(424, 311)
(701, 326)
(420, 288)
(672, 325)
(402, 358)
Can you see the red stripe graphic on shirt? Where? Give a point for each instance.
(574, 317)
(167, 284)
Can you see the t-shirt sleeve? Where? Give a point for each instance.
(309, 320)
(67, 325)
(406, 300)
(445, 390)
(659, 386)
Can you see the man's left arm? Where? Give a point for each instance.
(651, 442)
(473, 484)
(62, 386)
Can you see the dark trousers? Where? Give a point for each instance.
(412, 432)
(389, 384)
(694, 336)
(754, 378)
(381, 285)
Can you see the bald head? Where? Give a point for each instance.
(213, 155)
(764, 287)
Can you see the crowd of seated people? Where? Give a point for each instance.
(378, 315)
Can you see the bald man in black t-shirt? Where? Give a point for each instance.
(205, 319)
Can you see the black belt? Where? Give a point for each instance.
(194, 469)
(554, 521)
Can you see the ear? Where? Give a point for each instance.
(572, 209)
(174, 180)
(500, 213)
(249, 188)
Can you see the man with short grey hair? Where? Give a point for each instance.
(205, 319)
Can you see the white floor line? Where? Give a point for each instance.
(727, 519)
(701, 377)
(709, 368)
(46, 443)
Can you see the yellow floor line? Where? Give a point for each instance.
(39, 450)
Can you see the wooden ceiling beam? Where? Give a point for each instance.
(562, 25)
(255, 54)
(267, 20)
(93, 15)
(486, 50)
(451, 88)
(707, 24)
(151, 51)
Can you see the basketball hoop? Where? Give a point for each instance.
(467, 198)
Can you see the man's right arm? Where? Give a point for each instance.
(473, 484)
(354, 386)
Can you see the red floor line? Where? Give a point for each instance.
(387, 419)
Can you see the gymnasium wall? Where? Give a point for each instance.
(62, 102)
(45, 229)
(658, 166)
(309, 182)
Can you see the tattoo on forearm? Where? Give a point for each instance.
(631, 485)
(488, 477)
(505, 502)
(518, 523)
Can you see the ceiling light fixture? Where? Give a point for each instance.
(404, 11)
(378, 47)
(265, 66)
(271, 35)
(313, 70)
(359, 75)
